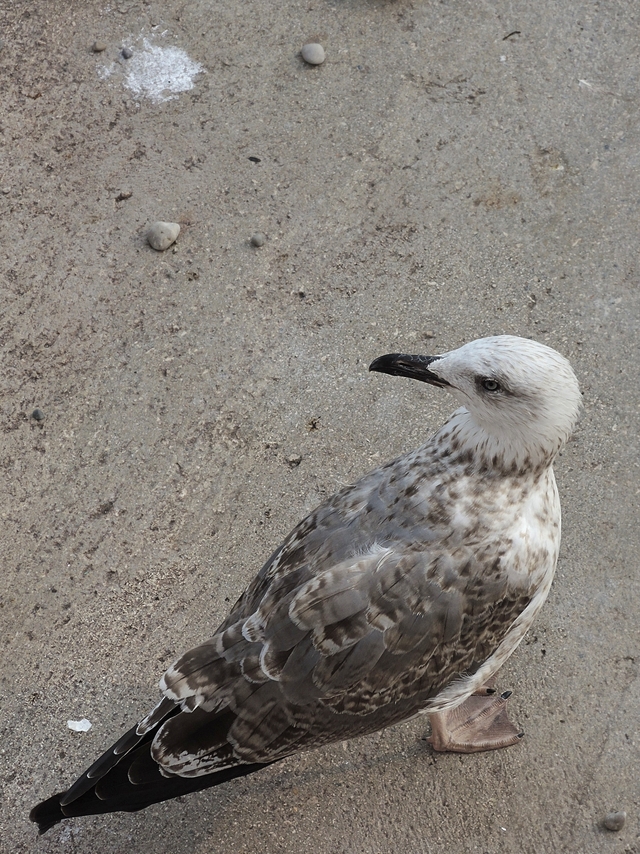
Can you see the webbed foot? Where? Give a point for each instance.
(480, 723)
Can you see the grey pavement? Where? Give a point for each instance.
(453, 170)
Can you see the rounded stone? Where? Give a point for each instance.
(37, 415)
(615, 820)
(313, 53)
(127, 53)
(258, 239)
(98, 47)
(160, 235)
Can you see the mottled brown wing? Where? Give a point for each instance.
(354, 624)
(379, 509)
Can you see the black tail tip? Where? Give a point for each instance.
(47, 814)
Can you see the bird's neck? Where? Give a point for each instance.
(509, 452)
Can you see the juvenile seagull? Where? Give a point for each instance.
(402, 594)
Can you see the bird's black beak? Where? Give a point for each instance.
(415, 367)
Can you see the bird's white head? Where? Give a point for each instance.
(521, 398)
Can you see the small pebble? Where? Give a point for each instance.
(37, 415)
(313, 53)
(258, 239)
(98, 47)
(615, 821)
(160, 235)
(127, 53)
(294, 460)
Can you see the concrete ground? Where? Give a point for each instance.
(454, 169)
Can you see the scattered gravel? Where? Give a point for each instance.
(313, 53)
(614, 821)
(160, 235)
(258, 239)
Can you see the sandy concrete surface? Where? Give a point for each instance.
(454, 169)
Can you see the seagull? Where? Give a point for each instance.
(403, 594)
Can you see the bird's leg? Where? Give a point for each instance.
(480, 723)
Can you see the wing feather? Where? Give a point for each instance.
(353, 624)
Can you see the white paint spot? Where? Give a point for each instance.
(154, 72)
(79, 726)
(160, 73)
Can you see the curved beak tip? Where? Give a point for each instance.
(403, 365)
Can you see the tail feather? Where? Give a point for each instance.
(126, 779)
(136, 736)
(48, 813)
(128, 797)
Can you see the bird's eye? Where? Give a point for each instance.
(491, 385)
